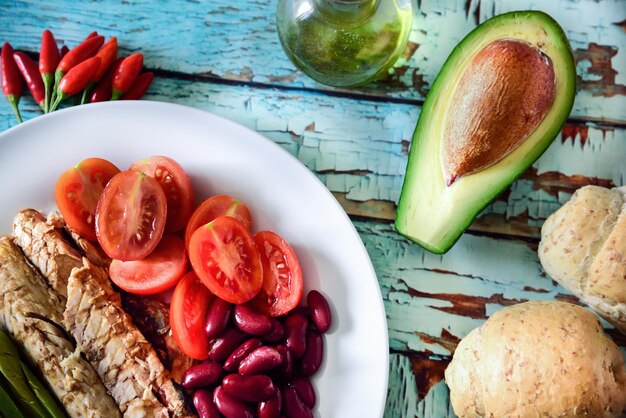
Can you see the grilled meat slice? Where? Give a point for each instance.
(46, 248)
(56, 249)
(152, 318)
(124, 359)
(33, 314)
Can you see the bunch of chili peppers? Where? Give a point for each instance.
(91, 72)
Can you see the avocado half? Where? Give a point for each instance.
(498, 102)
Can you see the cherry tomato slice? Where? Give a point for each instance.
(130, 216)
(225, 258)
(188, 310)
(214, 207)
(159, 271)
(77, 192)
(282, 276)
(176, 185)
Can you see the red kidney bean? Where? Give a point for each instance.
(312, 358)
(285, 371)
(232, 362)
(229, 406)
(221, 348)
(293, 405)
(305, 390)
(256, 388)
(250, 321)
(203, 402)
(271, 407)
(319, 311)
(295, 331)
(260, 360)
(217, 317)
(203, 374)
(276, 333)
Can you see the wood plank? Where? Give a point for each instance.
(433, 301)
(222, 40)
(359, 149)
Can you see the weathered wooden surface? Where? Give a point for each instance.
(237, 41)
(225, 57)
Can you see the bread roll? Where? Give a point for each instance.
(583, 247)
(538, 359)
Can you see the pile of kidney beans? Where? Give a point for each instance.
(260, 366)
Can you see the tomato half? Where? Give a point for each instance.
(130, 216)
(214, 207)
(188, 310)
(282, 276)
(176, 185)
(77, 192)
(225, 258)
(159, 271)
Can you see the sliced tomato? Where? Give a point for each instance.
(176, 185)
(214, 207)
(77, 192)
(159, 271)
(130, 216)
(225, 258)
(188, 310)
(282, 276)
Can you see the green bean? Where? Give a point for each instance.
(10, 368)
(45, 397)
(7, 406)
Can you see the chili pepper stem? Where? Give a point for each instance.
(13, 102)
(58, 99)
(116, 94)
(87, 93)
(47, 83)
(58, 75)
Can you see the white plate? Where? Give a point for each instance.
(224, 157)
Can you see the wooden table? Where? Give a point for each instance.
(225, 57)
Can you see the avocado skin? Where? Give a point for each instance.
(408, 222)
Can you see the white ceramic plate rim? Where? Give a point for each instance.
(23, 160)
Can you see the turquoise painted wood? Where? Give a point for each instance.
(224, 57)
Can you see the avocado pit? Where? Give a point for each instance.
(504, 93)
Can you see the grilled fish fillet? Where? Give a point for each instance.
(46, 248)
(33, 315)
(152, 318)
(53, 249)
(56, 250)
(124, 359)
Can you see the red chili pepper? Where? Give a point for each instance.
(92, 34)
(138, 89)
(12, 83)
(80, 53)
(107, 54)
(49, 57)
(76, 79)
(31, 75)
(102, 92)
(126, 75)
(64, 50)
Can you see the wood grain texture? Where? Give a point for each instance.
(234, 41)
(359, 149)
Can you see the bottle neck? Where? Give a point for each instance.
(348, 11)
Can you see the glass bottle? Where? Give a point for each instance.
(344, 42)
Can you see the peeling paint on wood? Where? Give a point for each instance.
(203, 42)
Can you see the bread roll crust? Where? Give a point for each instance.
(538, 359)
(583, 248)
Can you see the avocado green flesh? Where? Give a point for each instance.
(435, 215)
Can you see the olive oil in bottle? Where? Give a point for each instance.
(344, 42)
